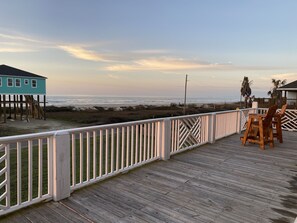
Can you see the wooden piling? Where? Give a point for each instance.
(21, 106)
(4, 106)
(14, 106)
(38, 105)
(44, 107)
(0, 107)
(27, 111)
(9, 105)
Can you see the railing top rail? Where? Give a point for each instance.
(279, 108)
(115, 125)
(230, 111)
(247, 109)
(33, 136)
(208, 113)
(189, 116)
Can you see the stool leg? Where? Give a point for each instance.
(271, 142)
(261, 135)
(279, 130)
(246, 132)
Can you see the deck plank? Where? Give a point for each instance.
(220, 182)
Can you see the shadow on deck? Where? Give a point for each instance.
(221, 182)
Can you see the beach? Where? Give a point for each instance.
(84, 101)
(65, 117)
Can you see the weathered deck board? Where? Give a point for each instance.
(220, 182)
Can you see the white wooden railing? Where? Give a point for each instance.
(51, 165)
(104, 151)
(25, 170)
(289, 121)
(188, 132)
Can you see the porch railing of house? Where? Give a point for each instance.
(50, 165)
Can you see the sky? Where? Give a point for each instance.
(145, 48)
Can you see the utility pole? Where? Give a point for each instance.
(185, 99)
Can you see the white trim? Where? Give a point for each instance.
(15, 82)
(287, 89)
(35, 83)
(26, 80)
(10, 78)
(0, 81)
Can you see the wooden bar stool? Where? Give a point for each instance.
(259, 128)
(277, 123)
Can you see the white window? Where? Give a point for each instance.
(0, 81)
(18, 82)
(34, 83)
(26, 81)
(9, 82)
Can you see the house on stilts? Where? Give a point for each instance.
(22, 94)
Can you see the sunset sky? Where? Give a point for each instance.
(145, 48)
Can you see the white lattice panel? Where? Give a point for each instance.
(244, 118)
(189, 132)
(4, 176)
(289, 121)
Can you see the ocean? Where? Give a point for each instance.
(112, 101)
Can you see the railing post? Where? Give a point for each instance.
(212, 128)
(239, 116)
(61, 165)
(164, 135)
(255, 106)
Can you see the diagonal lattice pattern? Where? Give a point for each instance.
(3, 177)
(289, 121)
(244, 118)
(189, 132)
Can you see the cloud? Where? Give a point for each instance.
(18, 38)
(16, 50)
(150, 51)
(288, 76)
(81, 53)
(112, 76)
(165, 64)
(18, 43)
(136, 60)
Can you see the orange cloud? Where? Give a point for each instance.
(288, 76)
(15, 50)
(81, 53)
(164, 64)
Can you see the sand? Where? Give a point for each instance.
(16, 127)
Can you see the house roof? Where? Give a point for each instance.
(11, 71)
(290, 86)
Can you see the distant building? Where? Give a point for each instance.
(18, 89)
(290, 92)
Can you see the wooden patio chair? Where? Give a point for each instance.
(259, 128)
(277, 123)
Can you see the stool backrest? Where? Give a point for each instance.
(269, 115)
(283, 110)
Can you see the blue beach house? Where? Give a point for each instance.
(19, 89)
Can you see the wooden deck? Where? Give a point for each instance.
(221, 182)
